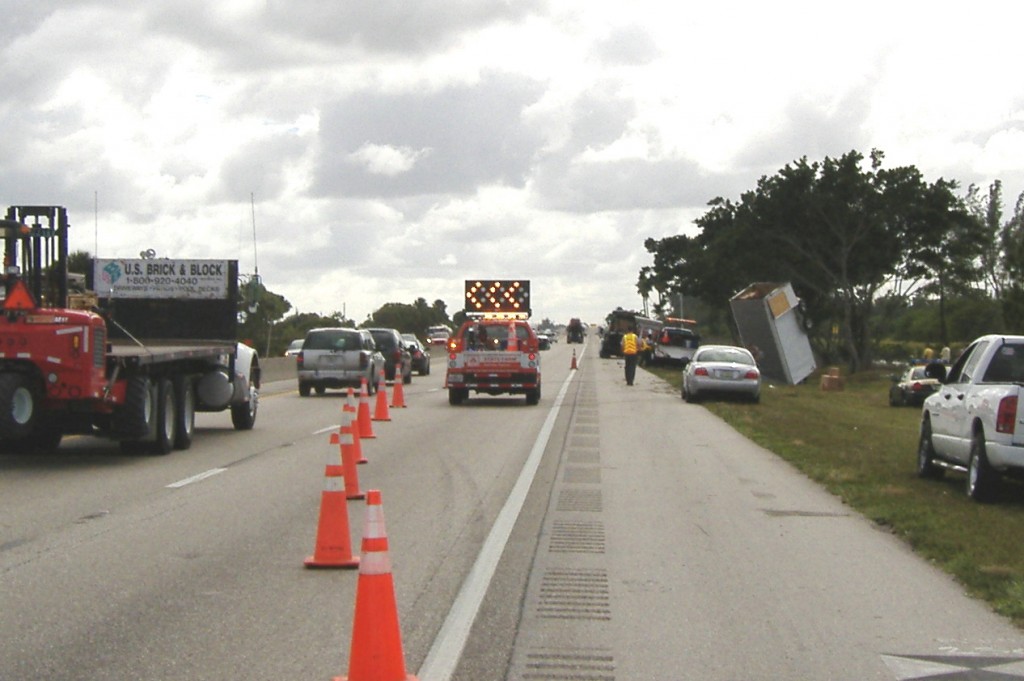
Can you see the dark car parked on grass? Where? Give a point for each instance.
(393, 347)
(911, 387)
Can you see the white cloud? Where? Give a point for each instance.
(384, 159)
(394, 149)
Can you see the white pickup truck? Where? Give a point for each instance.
(970, 423)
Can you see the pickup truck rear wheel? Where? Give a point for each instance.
(982, 479)
(19, 405)
(457, 395)
(533, 396)
(926, 467)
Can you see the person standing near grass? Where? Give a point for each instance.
(630, 350)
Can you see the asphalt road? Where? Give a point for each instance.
(610, 532)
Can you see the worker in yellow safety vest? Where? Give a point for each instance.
(631, 351)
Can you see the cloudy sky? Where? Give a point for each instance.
(360, 153)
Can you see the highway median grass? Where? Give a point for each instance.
(864, 451)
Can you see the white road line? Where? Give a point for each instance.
(447, 648)
(196, 478)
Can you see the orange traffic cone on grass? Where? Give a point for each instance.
(353, 425)
(364, 418)
(398, 393)
(381, 412)
(349, 456)
(333, 539)
(376, 651)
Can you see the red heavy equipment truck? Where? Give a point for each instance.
(132, 359)
(495, 351)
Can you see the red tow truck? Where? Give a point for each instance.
(133, 359)
(496, 350)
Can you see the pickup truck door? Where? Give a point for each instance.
(950, 419)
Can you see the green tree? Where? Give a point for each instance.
(258, 310)
(840, 232)
(409, 318)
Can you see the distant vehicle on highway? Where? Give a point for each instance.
(294, 348)
(724, 370)
(420, 354)
(438, 335)
(337, 357)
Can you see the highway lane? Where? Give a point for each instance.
(110, 573)
(653, 543)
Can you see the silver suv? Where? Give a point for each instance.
(338, 358)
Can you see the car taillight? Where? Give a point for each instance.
(364, 360)
(298, 360)
(532, 356)
(1006, 416)
(397, 355)
(700, 371)
(752, 374)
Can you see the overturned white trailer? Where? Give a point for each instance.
(771, 326)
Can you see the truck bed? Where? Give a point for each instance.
(127, 352)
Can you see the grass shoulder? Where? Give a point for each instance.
(864, 451)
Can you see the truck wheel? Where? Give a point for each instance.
(19, 399)
(135, 417)
(185, 410)
(166, 417)
(533, 396)
(243, 416)
(456, 396)
(982, 479)
(320, 389)
(926, 467)
(304, 389)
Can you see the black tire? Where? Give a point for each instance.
(321, 389)
(136, 416)
(982, 479)
(926, 467)
(19, 406)
(166, 417)
(533, 396)
(407, 378)
(185, 412)
(456, 396)
(243, 415)
(304, 389)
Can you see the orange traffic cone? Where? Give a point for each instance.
(398, 394)
(349, 459)
(381, 413)
(333, 539)
(364, 418)
(376, 652)
(513, 340)
(353, 426)
(573, 365)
